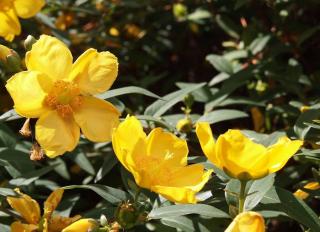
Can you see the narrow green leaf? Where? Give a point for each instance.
(7, 192)
(112, 195)
(179, 210)
(220, 63)
(222, 115)
(126, 90)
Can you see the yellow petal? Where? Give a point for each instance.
(9, 24)
(26, 206)
(207, 142)
(281, 152)
(95, 71)
(28, 8)
(247, 222)
(124, 143)
(20, 227)
(176, 194)
(51, 57)
(4, 52)
(311, 185)
(55, 134)
(239, 156)
(82, 225)
(97, 119)
(58, 223)
(166, 146)
(52, 202)
(193, 177)
(28, 90)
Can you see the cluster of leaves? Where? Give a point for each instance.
(245, 64)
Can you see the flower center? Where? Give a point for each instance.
(64, 97)
(5, 5)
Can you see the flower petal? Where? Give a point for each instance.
(97, 119)
(26, 206)
(129, 149)
(82, 225)
(28, 8)
(28, 90)
(176, 194)
(52, 202)
(20, 227)
(239, 155)
(95, 71)
(166, 146)
(281, 152)
(193, 177)
(55, 134)
(58, 223)
(207, 142)
(51, 57)
(247, 222)
(9, 24)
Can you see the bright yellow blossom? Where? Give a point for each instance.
(240, 157)
(158, 161)
(314, 185)
(59, 93)
(30, 211)
(83, 225)
(247, 222)
(10, 10)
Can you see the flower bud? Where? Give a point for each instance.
(247, 221)
(82, 225)
(184, 125)
(29, 41)
(127, 215)
(180, 11)
(4, 52)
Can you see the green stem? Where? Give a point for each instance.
(242, 195)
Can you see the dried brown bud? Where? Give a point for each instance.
(36, 152)
(25, 129)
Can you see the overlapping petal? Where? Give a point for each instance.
(28, 90)
(9, 24)
(247, 222)
(20, 227)
(97, 119)
(55, 134)
(95, 71)
(26, 206)
(82, 225)
(51, 57)
(28, 8)
(52, 202)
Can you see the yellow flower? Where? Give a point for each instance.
(30, 211)
(158, 161)
(184, 125)
(82, 225)
(10, 10)
(59, 93)
(311, 186)
(240, 157)
(247, 222)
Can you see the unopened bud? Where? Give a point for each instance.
(184, 125)
(304, 108)
(127, 215)
(29, 41)
(25, 129)
(4, 52)
(13, 62)
(180, 11)
(103, 220)
(36, 152)
(188, 101)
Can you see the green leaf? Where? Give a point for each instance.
(222, 115)
(179, 210)
(9, 115)
(300, 127)
(220, 63)
(161, 106)
(7, 137)
(7, 192)
(280, 199)
(126, 90)
(149, 118)
(259, 44)
(81, 159)
(112, 195)
(226, 24)
(184, 224)
(109, 162)
(257, 190)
